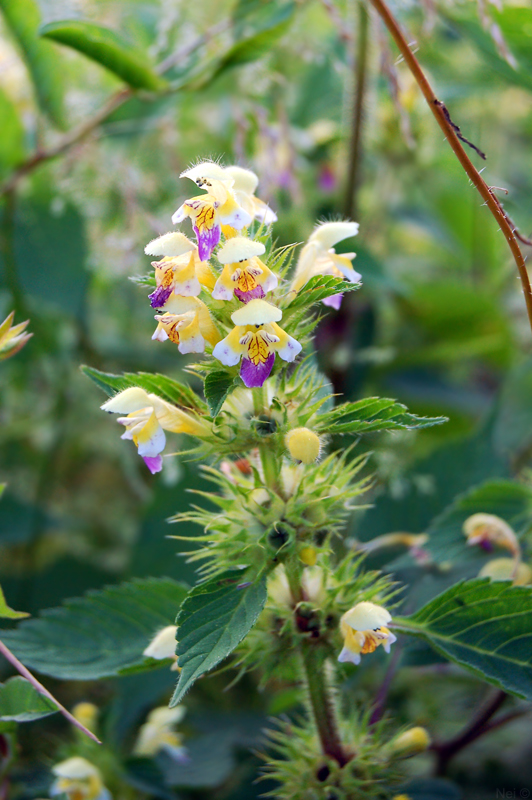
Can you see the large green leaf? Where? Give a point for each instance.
(174, 392)
(23, 19)
(100, 634)
(483, 625)
(214, 618)
(107, 49)
(506, 499)
(21, 702)
(372, 414)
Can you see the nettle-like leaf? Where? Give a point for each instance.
(107, 49)
(167, 388)
(318, 288)
(372, 414)
(483, 625)
(21, 702)
(218, 385)
(101, 634)
(506, 499)
(213, 620)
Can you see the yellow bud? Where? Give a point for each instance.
(303, 445)
(308, 556)
(401, 797)
(410, 743)
(87, 714)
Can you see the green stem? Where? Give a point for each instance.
(355, 153)
(268, 459)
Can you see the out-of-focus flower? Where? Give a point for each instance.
(303, 445)
(490, 531)
(312, 584)
(318, 257)
(147, 418)
(364, 629)
(187, 322)
(210, 211)
(163, 646)
(410, 743)
(158, 734)
(256, 338)
(244, 274)
(78, 779)
(180, 271)
(507, 569)
(87, 714)
(12, 337)
(244, 186)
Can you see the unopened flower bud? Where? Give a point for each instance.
(303, 445)
(410, 743)
(308, 556)
(505, 569)
(489, 531)
(163, 645)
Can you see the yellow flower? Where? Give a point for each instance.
(163, 646)
(303, 445)
(79, 780)
(318, 257)
(244, 274)
(507, 569)
(256, 338)
(244, 186)
(148, 416)
(364, 629)
(186, 321)
(180, 271)
(87, 714)
(158, 734)
(12, 338)
(410, 743)
(489, 531)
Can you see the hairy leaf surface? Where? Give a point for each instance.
(372, 414)
(167, 388)
(21, 702)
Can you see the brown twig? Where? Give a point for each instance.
(11, 657)
(355, 151)
(442, 116)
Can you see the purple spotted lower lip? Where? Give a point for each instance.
(154, 463)
(245, 297)
(207, 241)
(160, 296)
(254, 375)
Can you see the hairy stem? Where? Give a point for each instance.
(11, 657)
(451, 134)
(355, 151)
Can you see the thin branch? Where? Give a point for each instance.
(6, 652)
(442, 116)
(355, 150)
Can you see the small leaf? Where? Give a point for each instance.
(485, 626)
(372, 414)
(167, 388)
(21, 702)
(218, 384)
(261, 41)
(8, 613)
(23, 19)
(318, 288)
(107, 49)
(213, 620)
(100, 634)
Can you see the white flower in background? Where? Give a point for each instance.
(78, 779)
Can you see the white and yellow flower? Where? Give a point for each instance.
(78, 779)
(364, 629)
(148, 417)
(210, 211)
(158, 734)
(489, 531)
(318, 257)
(186, 321)
(256, 339)
(180, 271)
(163, 646)
(245, 184)
(244, 274)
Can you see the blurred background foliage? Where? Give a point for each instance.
(440, 322)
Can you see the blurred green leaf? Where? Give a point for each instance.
(218, 384)
(107, 49)
(372, 414)
(23, 19)
(512, 432)
(269, 26)
(9, 613)
(485, 626)
(174, 392)
(100, 634)
(12, 149)
(316, 289)
(429, 789)
(214, 618)
(21, 702)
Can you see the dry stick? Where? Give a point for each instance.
(6, 652)
(355, 157)
(444, 121)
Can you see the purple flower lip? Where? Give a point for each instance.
(334, 301)
(207, 241)
(254, 375)
(245, 297)
(154, 463)
(160, 296)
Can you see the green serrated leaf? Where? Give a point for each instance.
(107, 49)
(167, 388)
(100, 634)
(23, 19)
(5, 611)
(372, 414)
(218, 384)
(214, 618)
(318, 288)
(21, 702)
(483, 625)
